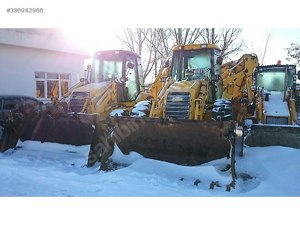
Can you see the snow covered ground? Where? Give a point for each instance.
(51, 169)
(41, 170)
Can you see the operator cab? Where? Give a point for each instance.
(122, 66)
(196, 62)
(275, 77)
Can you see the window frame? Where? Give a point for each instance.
(60, 78)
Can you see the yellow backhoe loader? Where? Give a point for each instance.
(237, 82)
(276, 117)
(113, 81)
(188, 122)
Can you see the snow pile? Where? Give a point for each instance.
(276, 106)
(140, 109)
(117, 112)
(50, 169)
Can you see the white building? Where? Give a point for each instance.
(35, 61)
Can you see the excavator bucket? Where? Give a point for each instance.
(75, 129)
(273, 135)
(183, 142)
(8, 138)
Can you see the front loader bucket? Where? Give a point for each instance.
(184, 142)
(48, 124)
(75, 129)
(273, 135)
(8, 138)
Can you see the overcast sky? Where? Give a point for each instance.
(255, 41)
(93, 23)
(279, 39)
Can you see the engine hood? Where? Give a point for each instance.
(186, 86)
(93, 88)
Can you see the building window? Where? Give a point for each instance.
(51, 85)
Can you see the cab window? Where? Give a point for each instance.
(191, 64)
(107, 69)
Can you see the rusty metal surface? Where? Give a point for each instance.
(65, 129)
(183, 142)
(273, 135)
(8, 138)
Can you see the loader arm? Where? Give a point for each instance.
(99, 102)
(237, 77)
(293, 108)
(237, 81)
(54, 92)
(201, 101)
(81, 83)
(159, 82)
(157, 104)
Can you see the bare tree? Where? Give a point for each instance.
(293, 53)
(138, 40)
(185, 36)
(265, 50)
(225, 38)
(167, 38)
(158, 42)
(134, 39)
(155, 44)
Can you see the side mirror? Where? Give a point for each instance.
(298, 75)
(167, 63)
(219, 60)
(130, 65)
(83, 80)
(123, 79)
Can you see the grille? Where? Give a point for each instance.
(178, 105)
(277, 120)
(77, 101)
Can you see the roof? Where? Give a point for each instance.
(195, 47)
(276, 67)
(46, 39)
(120, 52)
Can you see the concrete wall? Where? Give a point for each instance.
(23, 54)
(18, 66)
